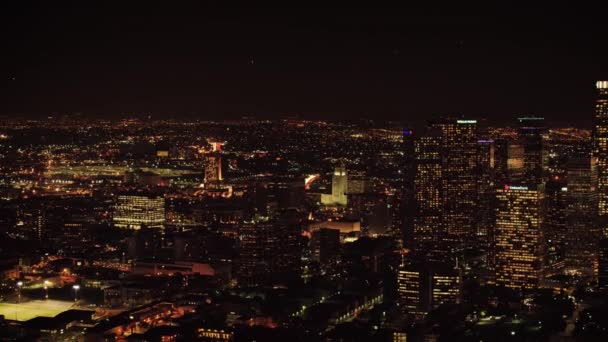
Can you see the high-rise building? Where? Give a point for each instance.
(602, 261)
(279, 193)
(583, 232)
(213, 168)
(443, 215)
(530, 136)
(425, 286)
(601, 150)
(426, 211)
(486, 195)
(411, 289)
(519, 238)
(339, 184)
(446, 285)
(325, 245)
(257, 245)
(516, 170)
(138, 210)
(459, 177)
(408, 194)
(555, 224)
(268, 250)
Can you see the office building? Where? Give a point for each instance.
(424, 286)
(446, 285)
(602, 261)
(555, 225)
(583, 232)
(519, 238)
(601, 151)
(459, 177)
(268, 250)
(213, 168)
(426, 211)
(530, 135)
(325, 245)
(138, 210)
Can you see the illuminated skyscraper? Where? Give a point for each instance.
(134, 211)
(213, 163)
(601, 150)
(444, 213)
(486, 186)
(339, 183)
(213, 168)
(426, 211)
(555, 224)
(519, 239)
(516, 170)
(602, 262)
(459, 177)
(408, 193)
(582, 233)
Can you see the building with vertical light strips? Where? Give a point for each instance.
(519, 238)
(601, 148)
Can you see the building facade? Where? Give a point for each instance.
(519, 238)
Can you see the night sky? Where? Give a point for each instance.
(334, 63)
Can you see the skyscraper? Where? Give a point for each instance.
(458, 177)
(408, 193)
(213, 168)
(519, 239)
(582, 233)
(601, 150)
(555, 224)
(443, 213)
(602, 261)
(339, 183)
(325, 245)
(427, 207)
(486, 186)
(530, 136)
(268, 250)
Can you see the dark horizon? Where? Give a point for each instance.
(209, 62)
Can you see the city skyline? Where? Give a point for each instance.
(223, 173)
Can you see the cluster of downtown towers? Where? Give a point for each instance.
(463, 189)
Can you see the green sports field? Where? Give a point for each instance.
(34, 308)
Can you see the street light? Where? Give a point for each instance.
(76, 288)
(46, 289)
(19, 285)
